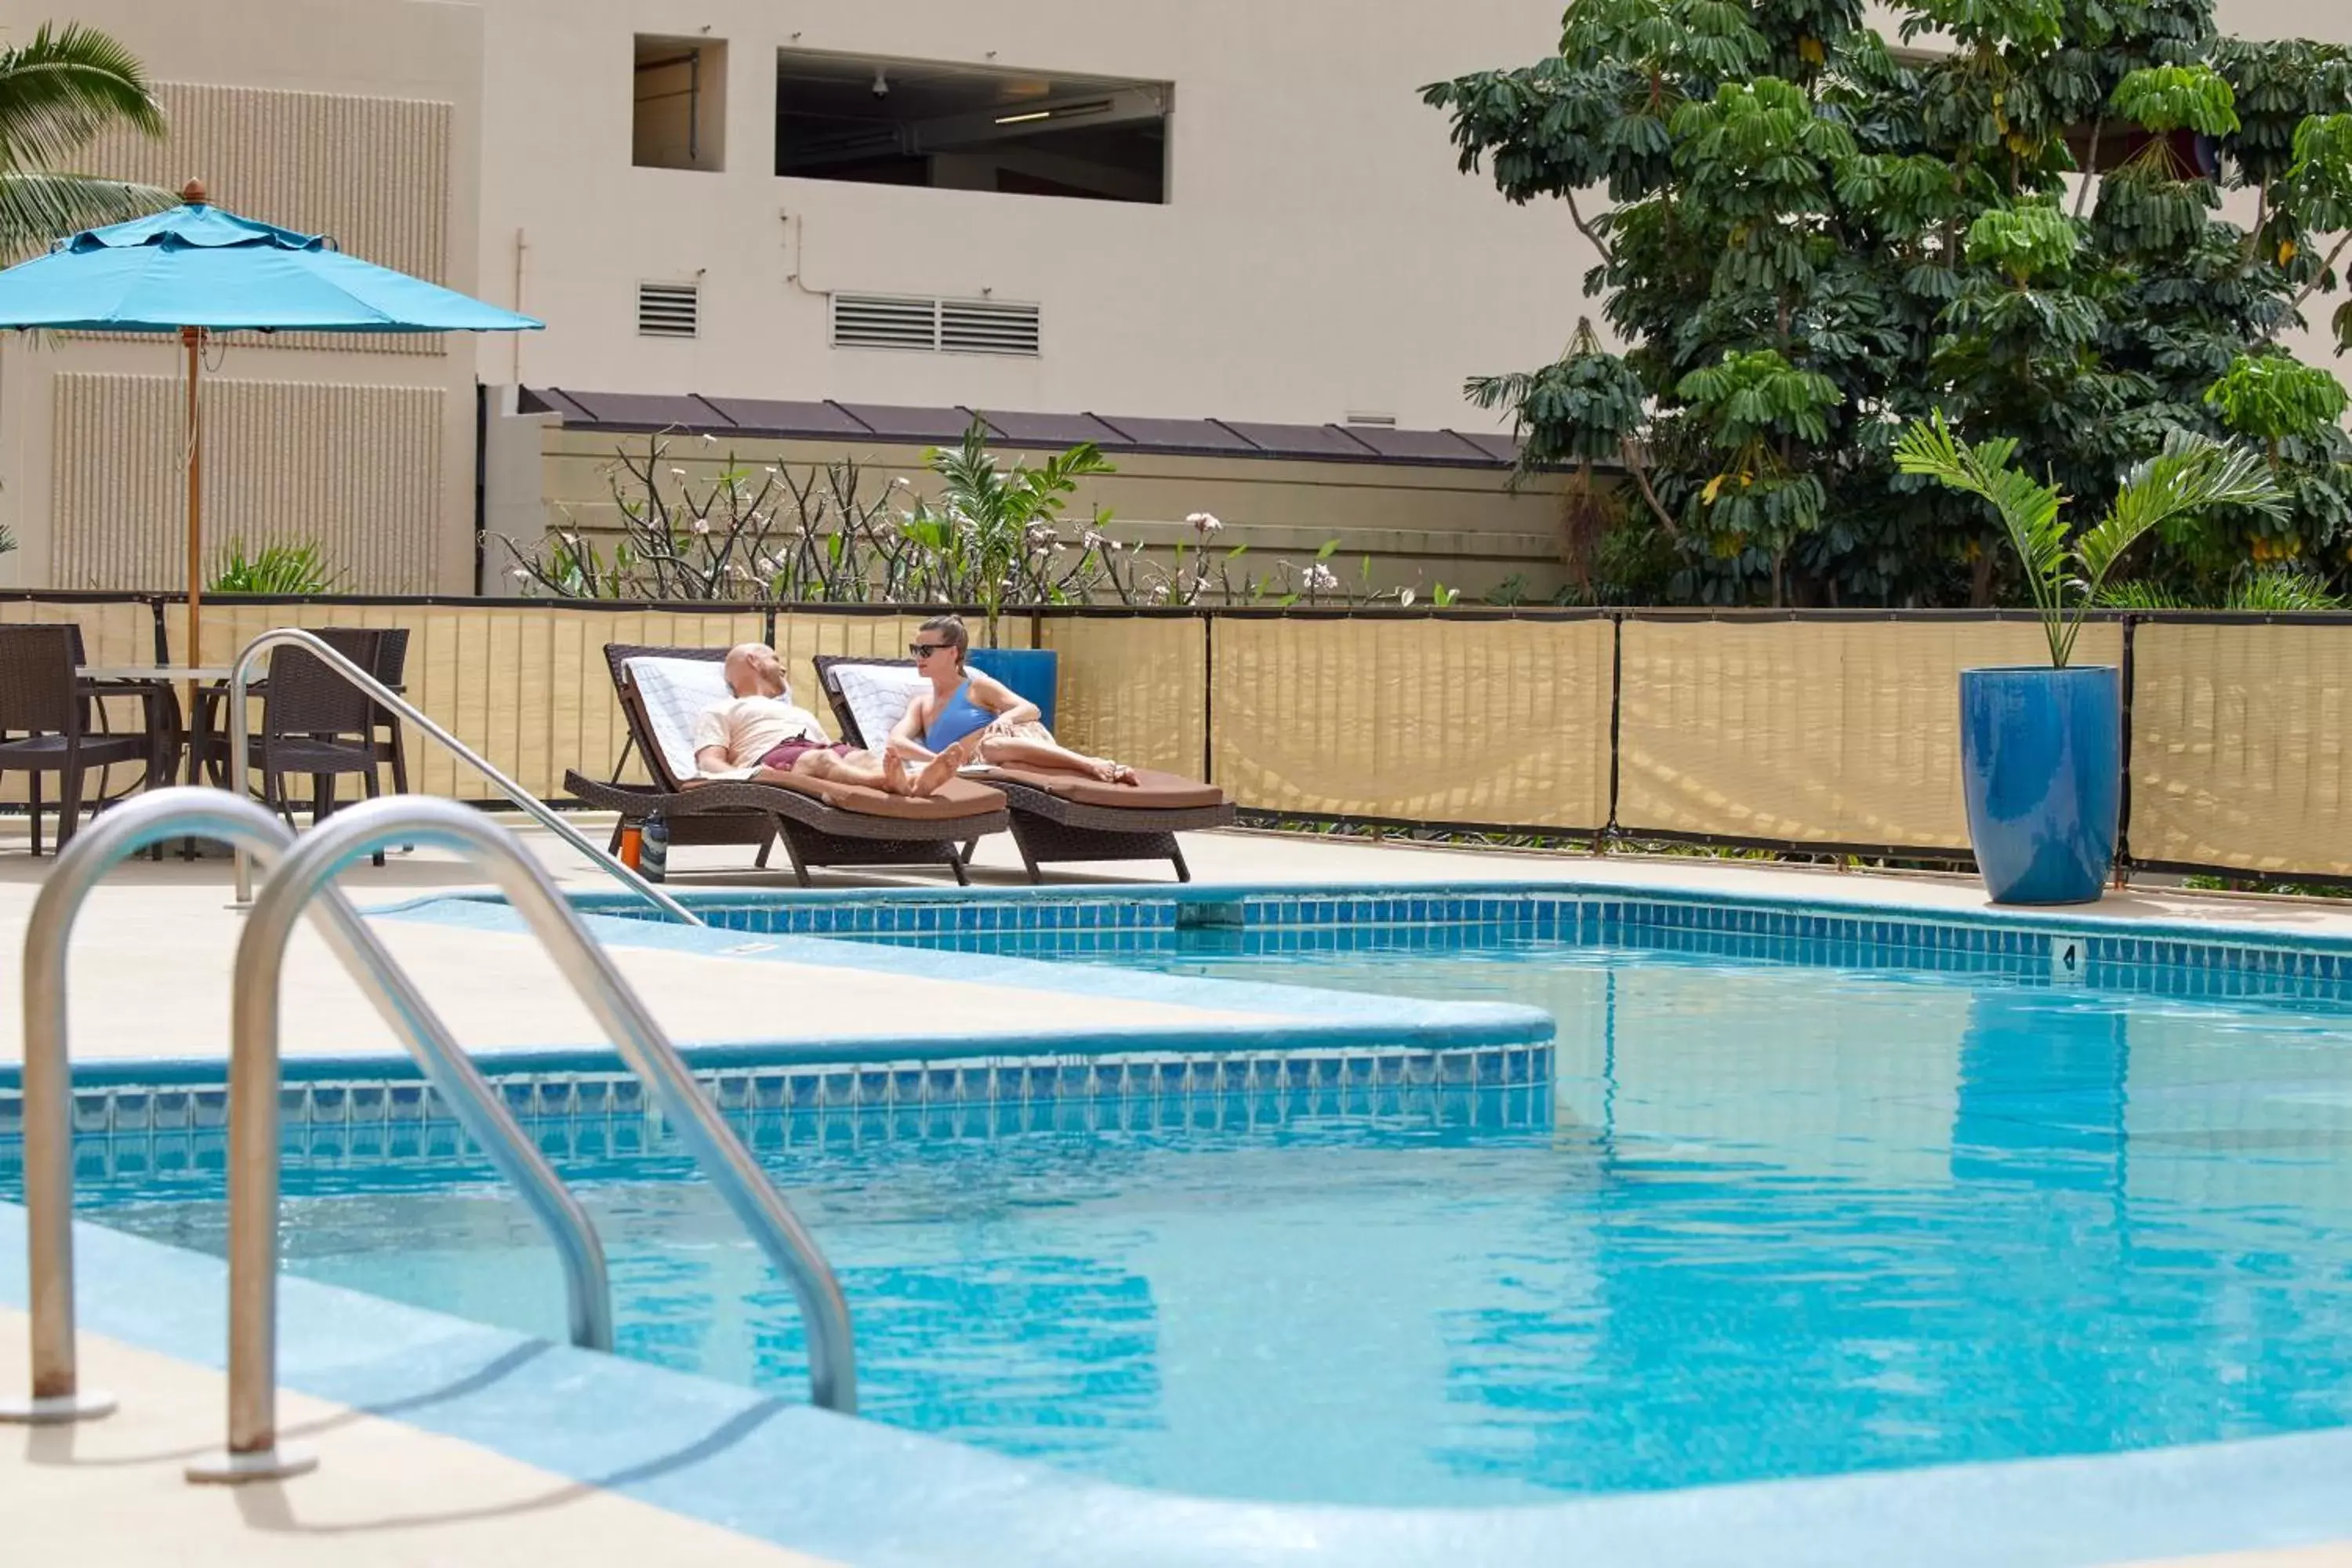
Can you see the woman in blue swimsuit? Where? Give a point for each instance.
(967, 716)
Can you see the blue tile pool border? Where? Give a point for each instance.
(980, 1097)
(2162, 956)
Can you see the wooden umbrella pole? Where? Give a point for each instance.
(194, 338)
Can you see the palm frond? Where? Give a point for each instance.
(2027, 508)
(2141, 596)
(63, 87)
(2193, 472)
(35, 209)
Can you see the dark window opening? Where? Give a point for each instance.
(970, 128)
(679, 119)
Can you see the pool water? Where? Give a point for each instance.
(1773, 1220)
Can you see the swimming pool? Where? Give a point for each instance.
(1793, 1201)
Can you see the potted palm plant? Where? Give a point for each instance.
(995, 515)
(2041, 746)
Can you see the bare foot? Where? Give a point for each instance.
(1114, 772)
(932, 774)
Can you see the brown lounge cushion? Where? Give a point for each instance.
(957, 797)
(1151, 791)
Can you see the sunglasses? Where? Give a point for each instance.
(920, 649)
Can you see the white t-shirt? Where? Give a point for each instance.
(751, 727)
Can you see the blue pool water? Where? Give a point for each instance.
(1770, 1220)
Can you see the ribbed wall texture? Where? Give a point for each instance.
(372, 173)
(1838, 732)
(110, 634)
(358, 469)
(1134, 690)
(2238, 746)
(1501, 721)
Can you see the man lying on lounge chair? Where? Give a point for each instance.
(759, 728)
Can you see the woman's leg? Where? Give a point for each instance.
(1041, 750)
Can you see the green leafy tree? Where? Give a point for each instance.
(1811, 236)
(58, 91)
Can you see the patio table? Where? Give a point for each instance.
(158, 684)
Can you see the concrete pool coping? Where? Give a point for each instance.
(855, 1491)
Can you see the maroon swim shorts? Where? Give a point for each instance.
(783, 758)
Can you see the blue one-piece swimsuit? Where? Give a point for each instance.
(958, 717)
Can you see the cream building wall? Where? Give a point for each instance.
(360, 119)
(1318, 252)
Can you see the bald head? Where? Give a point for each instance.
(754, 670)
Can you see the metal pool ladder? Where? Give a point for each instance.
(302, 875)
(57, 1393)
(303, 871)
(241, 676)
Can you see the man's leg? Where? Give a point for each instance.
(871, 771)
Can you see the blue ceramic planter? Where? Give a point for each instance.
(2041, 767)
(1033, 672)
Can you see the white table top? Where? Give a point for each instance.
(155, 673)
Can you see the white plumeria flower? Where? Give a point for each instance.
(680, 472)
(702, 525)
(1206, 521)
(1404, 598)
(1320, 577)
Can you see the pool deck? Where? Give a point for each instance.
(168, 926)
(156, 942)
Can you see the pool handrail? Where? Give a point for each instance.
(304, 874)
(118, 834)
(240, 678)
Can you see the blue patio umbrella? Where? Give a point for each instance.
(196, 269)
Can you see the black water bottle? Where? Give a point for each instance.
(652, 858)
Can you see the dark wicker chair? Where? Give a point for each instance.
(314, 724)
(387, 661)
(1047, 827)
(814, 833)
(383, 652)
(42, 694)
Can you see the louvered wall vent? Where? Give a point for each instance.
(934, 326)
(668, 309)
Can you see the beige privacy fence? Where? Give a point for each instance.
(1824, 730)
(1841, 731)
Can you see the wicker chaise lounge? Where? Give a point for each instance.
(821, 823)
(1056, 816)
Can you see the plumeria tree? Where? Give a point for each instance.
(715, 527)
(1807, 240)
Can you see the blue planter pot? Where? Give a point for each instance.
(2041, 767)
(1033, 672)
